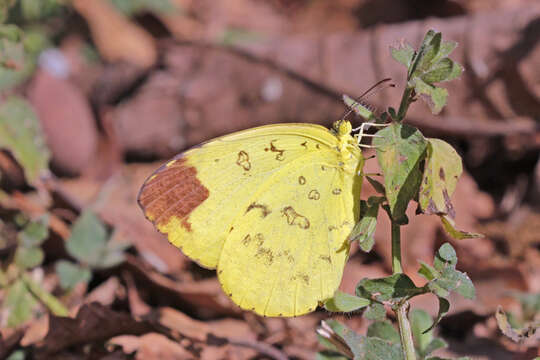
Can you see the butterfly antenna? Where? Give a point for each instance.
(374, 89)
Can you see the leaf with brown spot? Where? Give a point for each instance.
(450, 227)
(400, 150)
(442, 171)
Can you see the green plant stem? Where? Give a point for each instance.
(405, 102)
(405, 332)
(396, 249)
(51, 302)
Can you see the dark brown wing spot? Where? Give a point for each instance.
(266, 255)
(301, 180)
(336, 191)
(294, 218)
(317, 146)
(304, 144)
(314, 195)
(173, 190)
(260, 239)
(301, 276)
(326, 258)
(243, 160)
(323, 168)
(287, 255)
(264, 209)
(246, 240)
(279, 155)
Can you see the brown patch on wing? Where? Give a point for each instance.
(265, 211)
(243, 160)
(173, 190)
(294, 218)
(314, 195)
(301, 180)
(325, 258)
(272, 148)
(301, 276)
(266, 255)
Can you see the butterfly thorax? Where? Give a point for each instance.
(347, 145)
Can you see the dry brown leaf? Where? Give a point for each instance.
(117, 38)
(94, 322)
(66, 119)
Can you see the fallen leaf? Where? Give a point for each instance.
(117, 38)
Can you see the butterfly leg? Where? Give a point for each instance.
(361, 134)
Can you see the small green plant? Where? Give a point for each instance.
(89, 244)
(23, 292)
(413, 168)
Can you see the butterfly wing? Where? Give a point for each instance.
(287, 250)
(200, 199)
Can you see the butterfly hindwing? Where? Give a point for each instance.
(286, 251)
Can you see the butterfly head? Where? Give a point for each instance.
(342, 128)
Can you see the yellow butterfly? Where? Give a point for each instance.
(270, 208)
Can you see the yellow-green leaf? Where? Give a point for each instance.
(441, 173)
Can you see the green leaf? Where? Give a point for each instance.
(392, 287)
(71, 274)
(420, 321)
(428, 271)
(35, 232)
(28, 257)
(434, 96)
(400, 150)
(445, 256)
(376, 185)
(329, 355)
(358, 108)
(17, 355)
(362, 347)
(384, 330)
(430, 49)
(364, 230)
(444, 70)
(450, 227)
(16, 63)
(19, 303)
(452, 280)
(424, 339)
(441, 173)
(375, 311)
(133, 7)
(435, 345)
(403, 54)
(88, 243)
(444, 306)
(420, 53)
(49, 300)
(444, 276)
(21, 134)
(88, 240)
(343, 302)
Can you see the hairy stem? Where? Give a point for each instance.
(406, 100)
(405, 333)
(396, 249)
